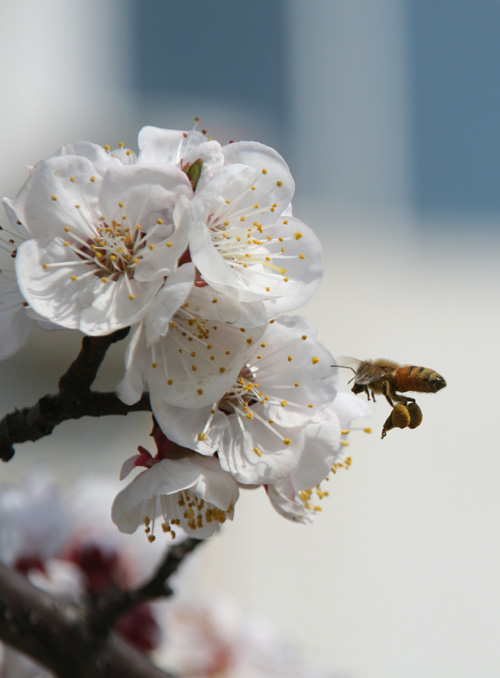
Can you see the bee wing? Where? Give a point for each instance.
(349, 362)
(366, 372)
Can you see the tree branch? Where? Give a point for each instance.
(109, 609)
(73, 401)
(56, 635)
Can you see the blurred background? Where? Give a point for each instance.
(387, 113)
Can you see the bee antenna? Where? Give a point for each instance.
(345, 367)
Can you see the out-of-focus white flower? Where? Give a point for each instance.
(213, 638)
(243, 238)
(95, 223)
(33, 522)
(257, 428)
(185, 489)
(72, 550)
(298, 496)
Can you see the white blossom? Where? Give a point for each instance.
(191, 493)
(257, 426)
(243, 238)
(95, 223)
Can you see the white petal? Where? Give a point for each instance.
(293, 368)
(255, 453)
(143, 194)
(321, 450)
(48, 200)
(285, 501)
(166, 302)
(130, 389)
(16, 326)
(197, 429)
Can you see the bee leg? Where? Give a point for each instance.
(386, 390)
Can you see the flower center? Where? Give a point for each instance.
(112, 252)
(184, 509)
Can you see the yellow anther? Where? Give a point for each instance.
(290, 358)
(264, 171)
(53, 197)
(92, 178)
(159, 221)
(286, 441)
(72, 178)
(249, 415)
(169, 382)
(315, 360)
(199, 391)
(297, 235)
(131, 297)
(279, 183)
(257, 451)
(154, 365)
(283, 403)
(302, 256)
(74, 277)
(202, 436)
(222, 370)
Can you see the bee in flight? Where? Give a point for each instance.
(391, 380)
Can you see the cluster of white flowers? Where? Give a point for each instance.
(194, 246)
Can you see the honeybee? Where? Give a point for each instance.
(391, 379)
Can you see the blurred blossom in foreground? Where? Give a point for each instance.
(86, 557)
(211, 637)
(68, 546)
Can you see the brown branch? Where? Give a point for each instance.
(108, 610)
(73, 401)
(56, 635)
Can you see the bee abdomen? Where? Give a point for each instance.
(416, 378)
